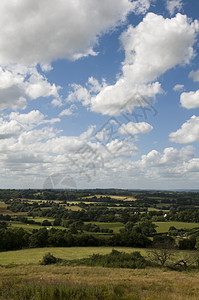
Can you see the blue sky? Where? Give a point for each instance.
(99, 94)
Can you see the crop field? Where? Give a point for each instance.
(164, 226)
(124, 198)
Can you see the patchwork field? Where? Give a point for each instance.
(4, 211)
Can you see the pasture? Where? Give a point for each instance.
(34, 255)
(116, 226)
(163, 227)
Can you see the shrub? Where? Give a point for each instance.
(48, 259)
(46, 223)
(116, 259)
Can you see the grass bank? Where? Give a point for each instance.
(63, 282)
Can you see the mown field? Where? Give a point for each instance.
(164, 226)
(33, 256)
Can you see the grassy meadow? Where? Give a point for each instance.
(34, 255)
(115, 226)
(163, 227)
(86, 283)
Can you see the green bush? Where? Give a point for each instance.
(116, 259)
(48, 259)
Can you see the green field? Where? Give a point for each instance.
(30, 227)
(164, 226)
(116, 226)
(157, 209)
(41, 219)
(33, 256)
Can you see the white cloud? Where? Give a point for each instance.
(172, 166)
(173, 5)
(67, 29)
(68, 111)
(19, 84)
(153, 47)
(84, 94)
(135, 128)
(194, 75)
(38, 86)
(141, 6)
(188, 133)
(190, 100)
(114, 99)
(9, 129)
(78, 94)
(46, 67)
(31, 119)
(178, 87)
(157, 45)
(169, 157)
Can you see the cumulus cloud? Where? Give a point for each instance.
(9, 129)
(194, 75)
(83, 94)
(68, 29)
(135, 128)
(188, 133)
(68, 111)
(19, 84)
(38, 86)
(169, 157)
(173, 6)
(154, 46)
(190, 100)
(32, 119)
(178, 87)
(141, 6)
(176, 165)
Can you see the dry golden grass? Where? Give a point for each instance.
(141, 284)
(124, 198)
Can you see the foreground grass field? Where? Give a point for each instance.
(63, 282)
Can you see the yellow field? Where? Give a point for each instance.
(124, 198)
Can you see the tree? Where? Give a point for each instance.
(163, 250)
(46, 223)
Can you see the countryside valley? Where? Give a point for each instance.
(67, 244)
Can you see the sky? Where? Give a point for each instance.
(99, 94)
